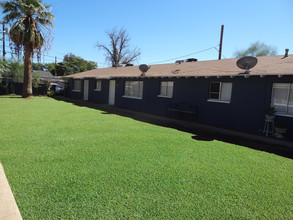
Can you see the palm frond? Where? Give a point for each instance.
(45, 22)
(32, 21)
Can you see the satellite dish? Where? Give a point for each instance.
(246, 63)
(143, 68)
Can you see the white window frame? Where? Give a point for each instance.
(98, 85)
(128, 89)
(74, 85)
(285, 113)
(169, 86)
(220, 100)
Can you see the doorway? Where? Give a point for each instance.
(112, 85)
(86, 90)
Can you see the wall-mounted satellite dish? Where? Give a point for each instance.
(246, 63)
(143, 68)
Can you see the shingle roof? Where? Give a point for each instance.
(268, 65)
(43, 74)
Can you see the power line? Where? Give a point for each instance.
(42, 55)
(51, 56)
(221, 53)
(103, 64)
(176, 58)
(43, 58)
(63, 54)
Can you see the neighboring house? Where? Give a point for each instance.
(46, 76)
(220, 92)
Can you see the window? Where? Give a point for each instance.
(166, 89)
(133, 89)
(77, 85)
(220, 91)
(98, 85)
(282, 98)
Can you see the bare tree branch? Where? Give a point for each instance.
(119, 51)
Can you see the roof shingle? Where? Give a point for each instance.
(268, 65)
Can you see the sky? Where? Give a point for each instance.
(167, 29)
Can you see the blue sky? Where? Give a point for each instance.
(168, 29)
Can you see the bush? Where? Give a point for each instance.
(50, 93)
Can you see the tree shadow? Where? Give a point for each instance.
(203, 138)
(198, 134)
(10, 97)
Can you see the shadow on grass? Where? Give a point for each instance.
(19, 96)
(10, 97)
(198, 134)
(203, 138)
(252, 144)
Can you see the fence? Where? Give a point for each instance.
(7, 86)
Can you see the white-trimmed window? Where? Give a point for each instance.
(77, 85)
(282, 98)
(133, 89)
(220, 92)
(166, 89)
(98, 85)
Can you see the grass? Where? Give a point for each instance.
(70, 162)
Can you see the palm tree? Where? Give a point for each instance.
(30, 31)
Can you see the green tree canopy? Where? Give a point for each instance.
(3, 68)
(72, 64)
(256, 49)
(39, 66)
(16, 70)
(12, 69)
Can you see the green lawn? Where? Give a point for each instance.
(70, 162)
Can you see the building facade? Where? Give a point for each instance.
(233, 101)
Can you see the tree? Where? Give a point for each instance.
(72, 64)
(118, 51)
(11, 70)
(38, 66)
(77, 64)
(16, 69)
(36, 81)
(4, 68)
(257, 49)
(30, 31)
(70, 57)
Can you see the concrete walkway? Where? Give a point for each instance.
(8, 206)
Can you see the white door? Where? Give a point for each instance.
(86, 90)
(112, 84)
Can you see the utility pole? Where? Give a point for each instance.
(221, 42)
(3, 23)
(55, 66)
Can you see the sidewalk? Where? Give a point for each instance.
(8, 207)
